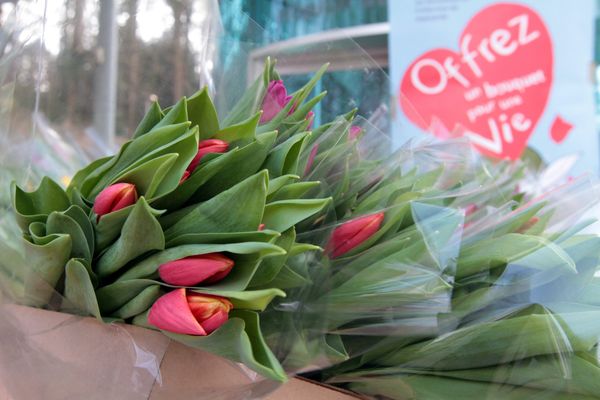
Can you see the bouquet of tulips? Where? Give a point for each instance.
(443, 280)
(186, 230)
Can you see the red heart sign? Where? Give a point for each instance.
(494, 90)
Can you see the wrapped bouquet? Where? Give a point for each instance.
(185, 229)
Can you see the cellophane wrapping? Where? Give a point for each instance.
(448, 275)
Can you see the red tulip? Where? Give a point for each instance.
(311, 117)
(115, 197)
(311, 158)
(470, 209)
(189, 314)
(205, 147)
(355, 132)
(184, 177)
(190, 271)
(352, 233)
(275, 100)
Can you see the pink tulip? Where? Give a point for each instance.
(470, 209)
(115, 197)
(190, 271)
(205, 147)
(355, 132)
(311, 117)
(261, 227)
(275, 100)
(184, 177)
(189, 314)
(311, 158)
(352, 233)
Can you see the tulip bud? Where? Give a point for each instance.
(355, 132)
(190, 271)
(275, 100)
(115, 197)
(189, 313)
(184, 177)
(470, 209)
(205, 147)
(352, 233)
(311, 158)
(261, 227)
(310, 116)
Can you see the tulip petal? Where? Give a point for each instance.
(311, 158)
(172, 313)
(190, 271)
(275, 100)
(205, 147)
(214, 322)
(352, 233)
(115, 197)
(355, 132)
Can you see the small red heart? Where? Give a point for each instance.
(560, 129)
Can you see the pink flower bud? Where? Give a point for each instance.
(275, 100)
(115, 197)
(261, 227)
(355, 132)
(205, 147)
(352, 233)
(184, 177)
(190, 271)
(470, 209)
(189, 313)
(311, 158)
(310, 116)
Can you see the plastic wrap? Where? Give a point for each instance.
(447, 275)
(51, 280)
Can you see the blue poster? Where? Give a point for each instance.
(505, 75)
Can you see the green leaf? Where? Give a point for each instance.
(157, 142)
(266, 236)
(284, 214)
(240, 134)
(487, 344)
(277, 183)
(513, 248)
(269, 268)
(94, 167)
(176, 115)
(287, 278)
(37, 205)
(239, 340)
(79, 216)
(283, 159)
(47, 264)
(251, 100)
(293, 191)
(235, 210)
(108, 228)
(251, 157)
(201, 112)
(79, 291)
(139, 304)
(140, 234)
(256, 300)
(152, 117)
(60, 223)
(148, 176)
(116, 295)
